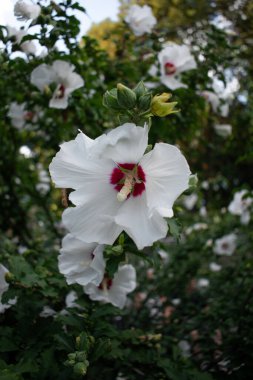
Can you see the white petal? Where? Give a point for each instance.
(59, 103)
(167, 175)
(94, 220)
(42, 76)
(62, 68)
(171, 82)
(80, 258)
(74, 81)
(125, 144)
(73, 167)
(135, 219)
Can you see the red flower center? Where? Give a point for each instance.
(132, 171)
(170, 68)
(105, 284)
(61, 92)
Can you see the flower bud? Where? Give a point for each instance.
(126, 97)
(144, 102)
(81, 368)
(193, 180)
(140, 89)
(161, 107)
(110, 100)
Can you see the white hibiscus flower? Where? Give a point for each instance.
(17, 114)
(175, 59)
(240, 206)
(140, 19)
(26, 10)
(118, 187)
(62, 74)
(114, 290)
(27, 47)
(226, 245)
(20, 116)
(80, 262)
(222, 95)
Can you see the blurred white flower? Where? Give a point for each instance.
(176, 301)
(189, 201)
(26, 10)
(196, 227)
(214, 267)
(3, 283)
(222, 95)
(80, 262)
(226, 245)
(140, 19)
(62, 74)
(26, 151)
(43, 186)
(118, 187)
(70, 299)
(175, 59)
(223, 130)
(164, 255)
(27, 47)
(114, 290)
(185, 347)
(202, 283)
(3, 287)
(19, 116)
(203, 211)
(240, 206)
(47, 311)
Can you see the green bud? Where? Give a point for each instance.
(193, 180)
(126, 97)
(110, 100)
(72, 356)
(81, 356)
(140, 89)
(81, 368)
(161, 107)
(9, 277)
(144, 102)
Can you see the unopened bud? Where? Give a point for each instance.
(193, 180)
(110, 99)
(144, 102)
(81, 368)
(140, 89)
(126, 97)
(161, 107)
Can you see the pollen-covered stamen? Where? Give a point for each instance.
(129, 179)
(126, 189)
(170, 68)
